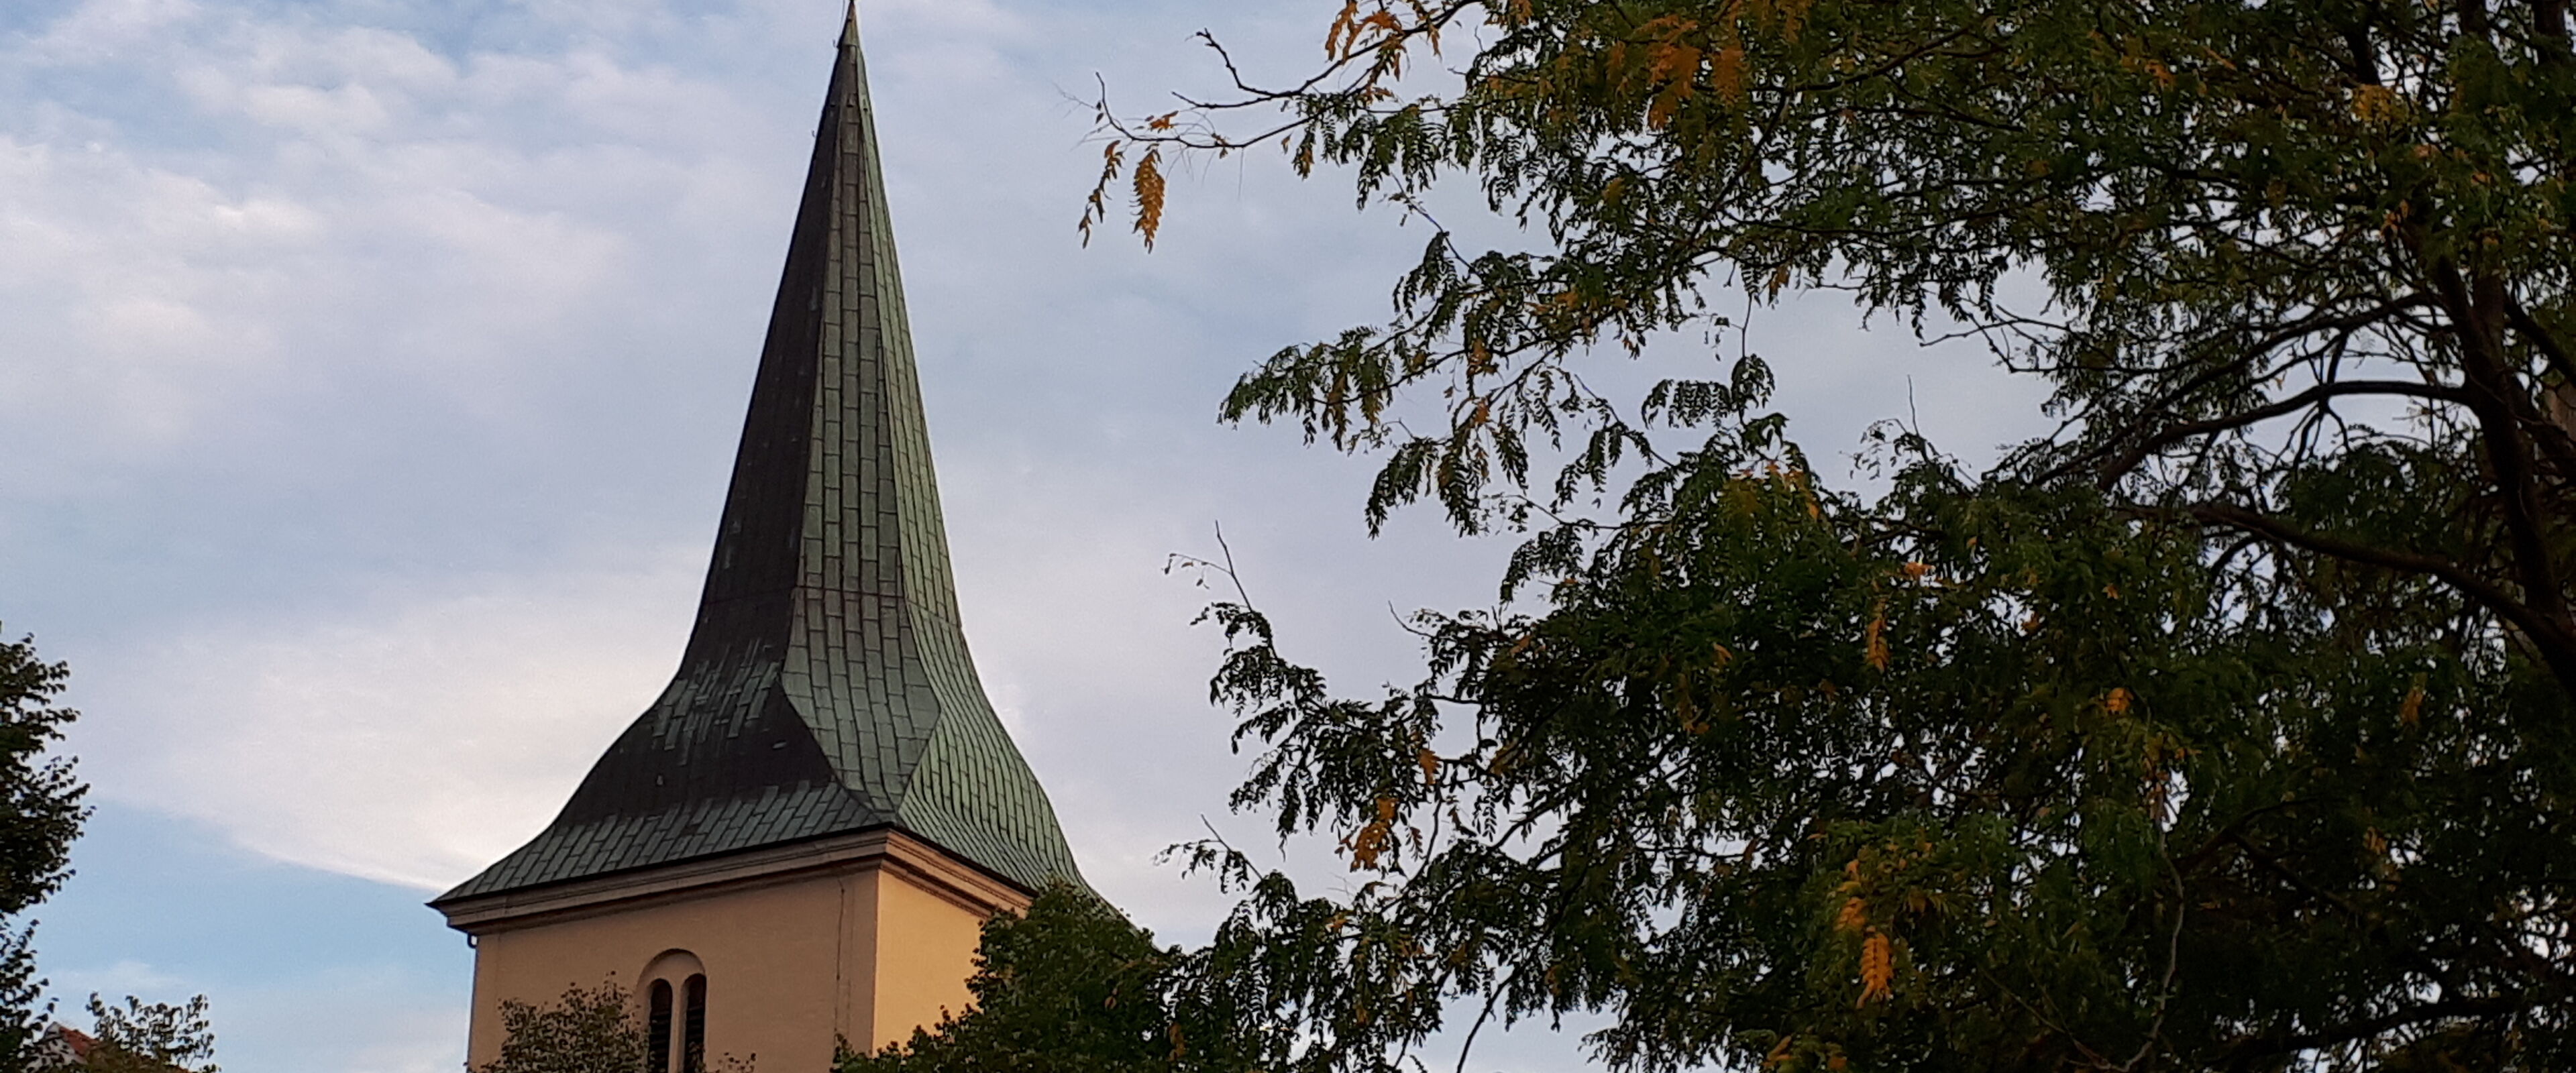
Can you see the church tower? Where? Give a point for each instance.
(799, 841)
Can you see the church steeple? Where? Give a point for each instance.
(826, 688)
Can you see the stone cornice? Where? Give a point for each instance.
(882, 849)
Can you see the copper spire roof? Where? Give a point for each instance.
(826, 688)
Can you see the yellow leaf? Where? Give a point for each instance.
(1096, 207)
(1430, 762)
(2375, 104)
(2118, 702)
(2411, 711)
(1149, 195)
(1854, 916)
(1346, 25)
(1877, 967)
(1368, 844)
(1874, 642)
(1727, 72)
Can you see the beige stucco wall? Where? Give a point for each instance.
(926, 949)
(792, 965)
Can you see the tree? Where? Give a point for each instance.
(25, 1016)
(587, 1030)
(40, 815)
(2228, 728)
(40, 809)
(1072, 987)
(155, 1037)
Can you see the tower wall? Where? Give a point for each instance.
(862, 941)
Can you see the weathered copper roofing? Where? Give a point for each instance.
(826, 687)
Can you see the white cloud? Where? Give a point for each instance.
(127, 977)
(412, 743)
(102, 30)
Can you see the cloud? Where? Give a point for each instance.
(410, 744)
(127, 977)
(100, 30)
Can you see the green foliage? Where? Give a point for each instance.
(40, 815)
(158, 1037)
(1970, 778)
(587, 1030)
(2241, 221)
(24, 1014)
(1072, 987)
(40, 810)
(2228, 728)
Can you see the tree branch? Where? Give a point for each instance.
(2249, 1050)
(2132, 458)
(2557, 645)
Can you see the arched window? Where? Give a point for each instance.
(657, 1024)
(693, 1046)
(675, 1012)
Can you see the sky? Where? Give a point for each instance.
(370, 372)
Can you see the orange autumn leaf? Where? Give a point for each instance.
(1370, 842)
(1149, 195)
(1368, 845)
(1345, 26)
(2375, 104)
(1727, 71)
(1877, 966)
(1874, 642)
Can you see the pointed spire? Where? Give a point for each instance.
(826, 686)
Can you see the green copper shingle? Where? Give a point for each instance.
(826, 688)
